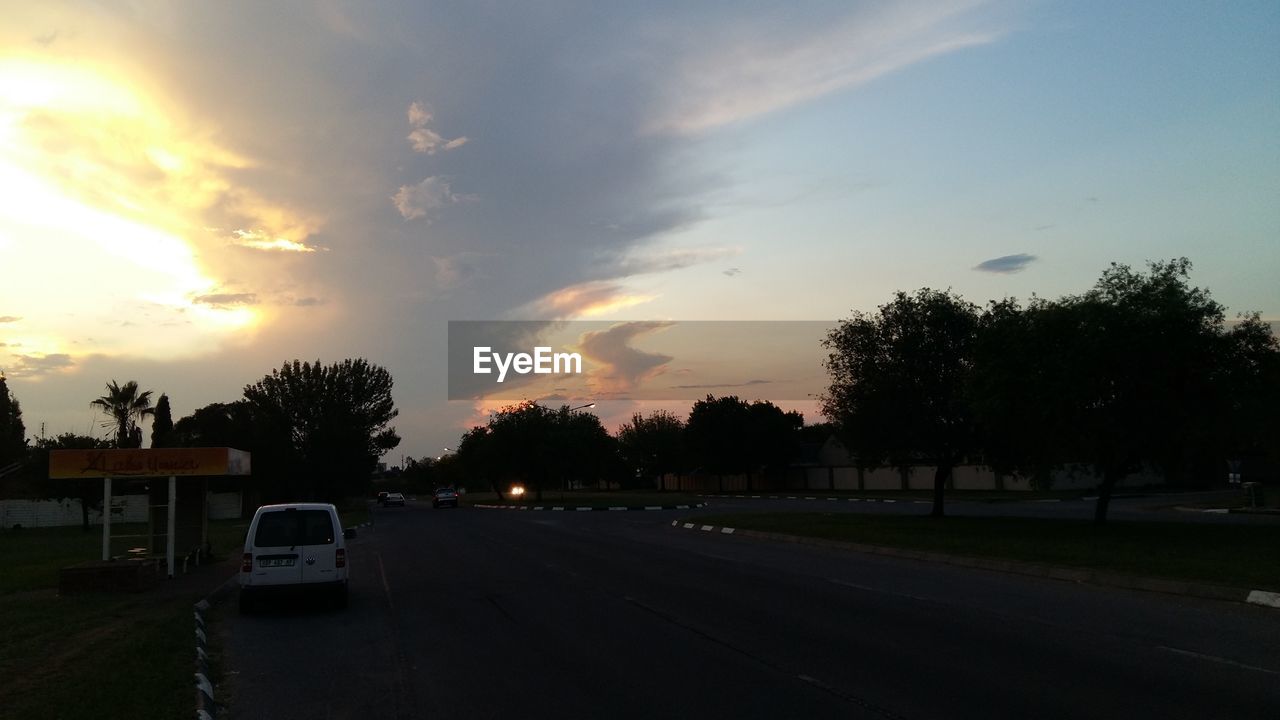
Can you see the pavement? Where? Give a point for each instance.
(468, 613)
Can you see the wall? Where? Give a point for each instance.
(128, 508)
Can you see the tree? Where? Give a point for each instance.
(540, 446)
(125, 408)
(653, 445)
(161, 422)
(899, 388)
(336, 418)
(1138, 370)
(88, 493)
(13, 434)
(728, 436)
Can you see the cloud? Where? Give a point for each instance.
(307, 302)
(38, 365)
(225, 300)
(9, 318)
(417, 201)
(1006, 264)
(258, 240)
(731, 272)
(759, 67)
(616, 366)
(587, 299)
(665, 261)
(422, 138)
(717, 386)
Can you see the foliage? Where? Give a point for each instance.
(125, 407)
(899, 391)
(1139, 369)
(87, 492)
(336, 418)
(13, 443)
(728, 436)
(541, 447)
(653, 445)
(161, 422)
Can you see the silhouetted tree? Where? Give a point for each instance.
(727, 436)
(337, 418)
(125, 408)
(654, 444)
(87, 492)
(1139, 369)
(899, 390)
(13, 434)
(161, 422)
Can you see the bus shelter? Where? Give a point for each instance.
(182, 466)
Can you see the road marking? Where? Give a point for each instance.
(382, 571)
(582, 508)
(882, 591)
(617, 508)
(811, 498)
(888, 501)
(707, 528)
(688, 526)
(656, 507)
(726, 531)
(1216, 511)
(1216, 659)
(557, 508)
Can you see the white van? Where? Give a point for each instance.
(298, 545)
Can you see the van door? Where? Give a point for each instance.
(277, 548)
(319, 546)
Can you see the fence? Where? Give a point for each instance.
(124, 508)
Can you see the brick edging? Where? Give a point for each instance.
(1264, 598)
(206, 708)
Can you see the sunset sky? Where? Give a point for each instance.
(193, 193)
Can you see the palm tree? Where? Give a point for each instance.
(125, 407)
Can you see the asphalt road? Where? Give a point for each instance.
(493, 614)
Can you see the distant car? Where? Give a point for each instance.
(394, 499)
(382, 497)
(445, 496)
(298, 546)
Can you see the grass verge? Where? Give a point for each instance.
(96, 655)
(1234, 555)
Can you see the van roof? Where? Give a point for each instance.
(299, 506)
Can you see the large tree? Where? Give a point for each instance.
(1139, 370)
(899, 390)
(337, 418)
(125, 407)
(654, 444)
(729, 436)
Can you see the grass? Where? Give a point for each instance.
(605, 498)
(1233, 555)
(95, 655)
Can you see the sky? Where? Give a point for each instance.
(192, 194)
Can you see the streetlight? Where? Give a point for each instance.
(582, 407)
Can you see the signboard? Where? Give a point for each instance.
(150, 462)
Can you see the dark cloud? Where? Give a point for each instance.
(33, 365)
(717, 386)
(223, 300)
(731, 272)
(1006, 264)
(616, 366)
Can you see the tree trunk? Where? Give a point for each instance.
(1110, 478)
(940, 475)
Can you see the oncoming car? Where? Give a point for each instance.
(445, 497)
(394, 498)
(299, 546)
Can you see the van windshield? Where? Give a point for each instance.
(283, 528)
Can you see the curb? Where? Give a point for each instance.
(594, 508)
(206, 708)
(1263, 598)
(904, 501)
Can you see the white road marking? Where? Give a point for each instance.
(726, 531)
(1262, 597)
(1214, 658)
(382, 571)
(707, 528)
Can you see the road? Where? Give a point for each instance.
(472, 613)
